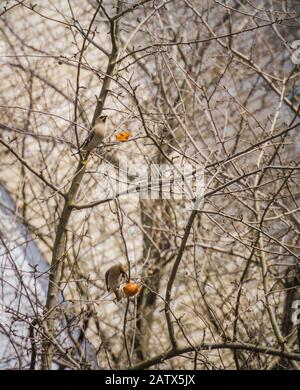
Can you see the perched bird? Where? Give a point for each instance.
(96, 135)
(113, 278)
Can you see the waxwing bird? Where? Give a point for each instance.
(96, 135)
(113, 278)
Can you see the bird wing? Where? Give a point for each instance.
(88, 139)
(106, 280)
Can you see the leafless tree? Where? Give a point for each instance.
(213, 84)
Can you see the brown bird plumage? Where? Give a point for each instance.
(113, 278)
(96, 135)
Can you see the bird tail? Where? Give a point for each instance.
(117, 294)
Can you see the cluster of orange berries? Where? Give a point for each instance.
(123, 136)
(130, 289)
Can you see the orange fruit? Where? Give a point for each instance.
(123, 136)
(131, 289)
